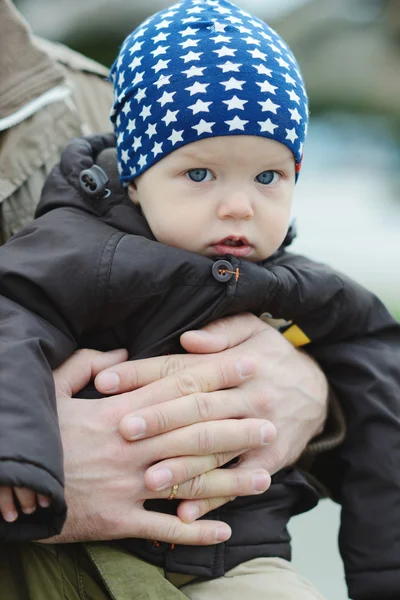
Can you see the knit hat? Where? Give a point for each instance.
(199, 69)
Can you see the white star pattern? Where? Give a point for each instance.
(203, 127)
(135, 62)
(236, 123)
(136, 47)
(127, 108)
(233, 84)
(269, 106)
(146, 112)
(251, 40)
(170, 117)
(295, 115)
(221, 39)
(131, 125)
(141, 94)
(162, 64)
(197, 88)
(200, 106)
(163, 25)
(289, 79)
(265, 86)
(224, 51)
(190, 56)
(230, 61)
(161, 37)
(194, 71)
(151, 130)
(190, 20)
(166, 98)
(282, 63)
(234, 102)
(142, 160)
(257, 54)
(159, 50)
(189, 43)
(291, 135)
(188, 31)
(137, 143)
(228, 67)
(268, 126)
(162, 80)
(176, 136)
(293, 96)
(157, 148)
(263, 70)
(138, 78)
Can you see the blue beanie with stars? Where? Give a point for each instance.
(199, 69)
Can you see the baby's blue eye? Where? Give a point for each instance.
(267, 177)
(199, 175)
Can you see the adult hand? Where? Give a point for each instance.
(105, 487)
(288, 389)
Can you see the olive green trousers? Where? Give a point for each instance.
(104, 571)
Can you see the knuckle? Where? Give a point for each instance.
(171, 365)
(204, 406)
(188, 384)
(206, 440)
(262, 403)
(161, 420)
(221, 458)
(197, 486)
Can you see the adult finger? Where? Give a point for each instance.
(181, 469)
(212, 437)
(191, 510)
(222, 334)
(195, 382)
(82, 366)
(221, 482)
(169, 528)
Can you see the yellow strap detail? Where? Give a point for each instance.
(296, 336)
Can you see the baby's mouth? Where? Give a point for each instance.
(237, 246)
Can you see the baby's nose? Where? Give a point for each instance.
(236, 205)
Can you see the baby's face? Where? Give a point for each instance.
(221, 195)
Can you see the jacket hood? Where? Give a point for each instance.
(63, 187)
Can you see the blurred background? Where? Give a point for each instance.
(347, 203)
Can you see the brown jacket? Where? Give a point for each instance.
(30, 69)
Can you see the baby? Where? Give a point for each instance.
(210, 119)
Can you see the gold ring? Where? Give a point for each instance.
(174, 492)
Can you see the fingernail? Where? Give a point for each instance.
(260, 482)
(10, 516)
(44, 502)
(162, 478)
(222, 534)
(135, 427)
(192, 513)
(245, 367)
(28, 510)
(267, 433)
(108, 381)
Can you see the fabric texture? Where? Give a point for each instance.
(26, 71)
(199, 69)
(258, 579)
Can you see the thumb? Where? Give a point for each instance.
(221, 334)
(81, 367)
